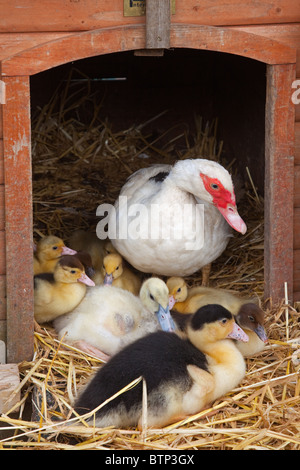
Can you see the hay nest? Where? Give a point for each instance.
(78, 163)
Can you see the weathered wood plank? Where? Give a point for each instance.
(158, 24)
(66, 15)
(87, 44)
(288, 34)
(297, 228)
(9, 382)
(13, 43)
(2, 297)
(297, 143)
(296, 283)
(18, 216)
(2, 253)
(279, 180)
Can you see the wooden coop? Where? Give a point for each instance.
(252, 50)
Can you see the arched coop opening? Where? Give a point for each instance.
(103, 118)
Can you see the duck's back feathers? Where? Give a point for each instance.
(160, 358)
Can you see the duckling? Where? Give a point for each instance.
(248, 314)
(250, 318)
(178, 290)
(97, 249)
(61, 291)
(182, 375)
(108, 318)
(118, 275)
(47, 252)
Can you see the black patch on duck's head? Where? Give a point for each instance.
(49, 277)
(160, 177)
(86, 259)
(209, 314)
(70, 261)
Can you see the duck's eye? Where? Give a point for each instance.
(117, 268)
(179, 290)
(54, 247)
(224, 320)
(251, 318)
(151, 297)
(214, 186)
(73, 271)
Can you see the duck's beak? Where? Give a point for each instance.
(85, 280)
(238, 333)
(108, 279)
(232, 216)
(261, 333)
(172, 302)
(68, 251)
(165, 319)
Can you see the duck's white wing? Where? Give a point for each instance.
(137, 180)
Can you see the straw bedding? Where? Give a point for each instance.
(79, 163)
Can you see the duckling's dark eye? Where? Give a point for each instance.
(73, 271)
(179, 290)
(54, 247)
(151, 297)
(224, 320)
(251, 318)
(214, 186)
(117, 268)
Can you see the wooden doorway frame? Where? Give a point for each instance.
(279, 151)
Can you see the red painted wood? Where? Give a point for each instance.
(91, 43)
(279, 181)
(18, 219)
(79, 15)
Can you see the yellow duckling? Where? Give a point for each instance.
(61, 291)
(48, 251)
(118, 275)
(248, 314)
(182, 376)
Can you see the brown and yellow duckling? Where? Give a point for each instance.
(182, 375)
(61, 291)
(248, 314)
(88, 242)
(48, 251)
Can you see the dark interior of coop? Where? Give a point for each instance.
(165, 96)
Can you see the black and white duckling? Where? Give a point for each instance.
(47, 252)
(109, 318)
(248, 314)
(182, 376)
(61, 291)
(187, 243)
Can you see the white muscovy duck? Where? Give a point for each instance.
(152, 201)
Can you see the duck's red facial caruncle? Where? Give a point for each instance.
(224, 200)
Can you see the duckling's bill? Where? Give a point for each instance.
(238, 333)
(108, 280)
(165, 319)
(68, 251)
(86, 280)
(261, 333)
(172, 302)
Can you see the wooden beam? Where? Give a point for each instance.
(158, 21)
(18, 219)
(279, 181)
